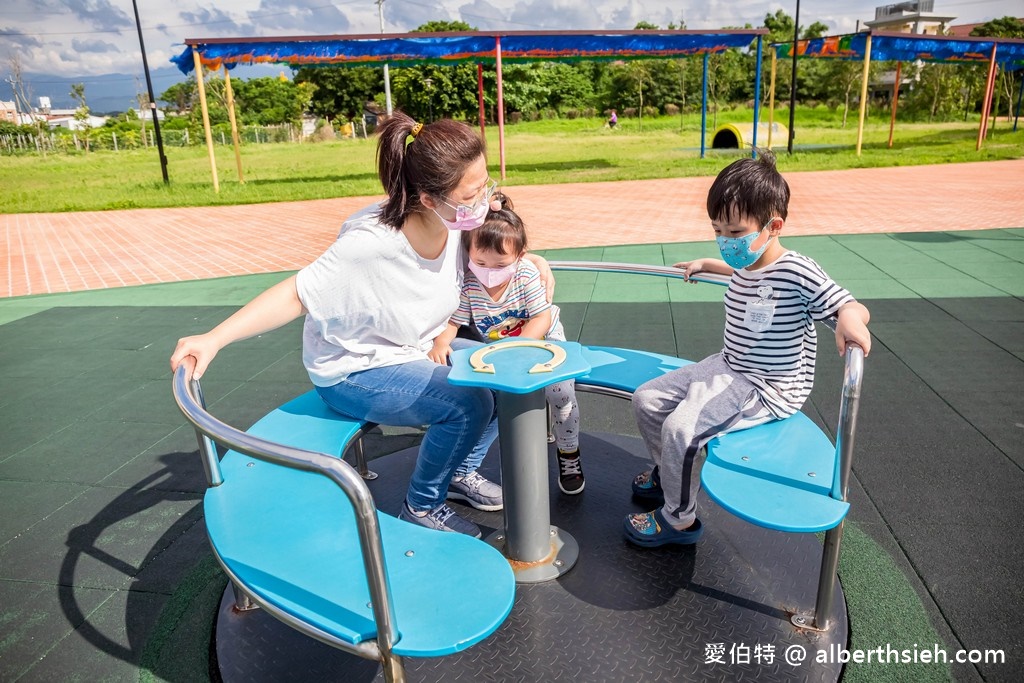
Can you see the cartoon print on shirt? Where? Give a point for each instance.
(508, 324)
(510, 327)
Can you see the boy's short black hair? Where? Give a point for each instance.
(749, 187)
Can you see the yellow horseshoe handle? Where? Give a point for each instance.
(476, 361)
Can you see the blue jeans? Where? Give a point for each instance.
(462, 420)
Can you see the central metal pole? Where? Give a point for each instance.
(522, 423)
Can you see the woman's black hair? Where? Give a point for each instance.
(749, 187)
(433, 161)
(501, 229)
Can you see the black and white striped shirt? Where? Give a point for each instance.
(769, 327)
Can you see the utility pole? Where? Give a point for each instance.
(387, 78)
(152, 99)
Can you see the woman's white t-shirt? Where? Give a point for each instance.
(372, 301)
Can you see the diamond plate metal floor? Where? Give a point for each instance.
(621, 614)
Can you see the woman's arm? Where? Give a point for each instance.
(273, 308)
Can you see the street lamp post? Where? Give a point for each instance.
(152, 98)
(792, 85)
(387, 77)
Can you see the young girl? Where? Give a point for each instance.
(502, 296)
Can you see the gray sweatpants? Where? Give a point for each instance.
(681, 411)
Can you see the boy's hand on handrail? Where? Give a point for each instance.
(702, 265)
(852, 327)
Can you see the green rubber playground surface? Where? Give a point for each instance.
(105, 572)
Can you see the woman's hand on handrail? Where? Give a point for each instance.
(197, 351)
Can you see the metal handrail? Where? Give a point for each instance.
(853, 375)
(187, 394)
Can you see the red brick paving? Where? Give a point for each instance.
(66, 252)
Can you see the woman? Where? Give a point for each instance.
(375, 301)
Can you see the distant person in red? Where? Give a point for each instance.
(613, 120)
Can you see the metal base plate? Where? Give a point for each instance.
(564, 553)
(716, 611)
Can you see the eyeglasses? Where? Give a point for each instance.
(464, 211)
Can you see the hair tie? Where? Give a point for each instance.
(416, 129)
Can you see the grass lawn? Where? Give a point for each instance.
(539, 152)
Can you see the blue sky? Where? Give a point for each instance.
(92, 37)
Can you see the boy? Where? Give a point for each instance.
(765, 369)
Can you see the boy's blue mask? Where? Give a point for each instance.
(736, 250)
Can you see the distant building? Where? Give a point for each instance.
(964, 30)
(61, 118)
(9, 112)
(913, 16)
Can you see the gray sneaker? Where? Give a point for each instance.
(477, 491)
(442, 518)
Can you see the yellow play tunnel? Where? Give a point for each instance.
(741, 135)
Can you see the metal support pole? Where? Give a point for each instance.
(792, 84)
(206, 117)
(757, 99)
(827, 577)
(704, 108)
(771, 99)
(986, 106)
(387, 76)
(501, 105)
(895, 101)
(234, 123)
(480, 98)
(522, 419)
(1020, 96)
(863, 93)
(152, 98)
(207, 449)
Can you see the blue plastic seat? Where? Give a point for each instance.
(289, 537)
(307, 422)
(777, 475)
(625, 369)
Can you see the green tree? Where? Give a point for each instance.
(340, 92)
(430, 91)
(1005, 27)
(271, 101)
(81, 113)
(180, 96)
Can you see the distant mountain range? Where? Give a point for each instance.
(112, 92)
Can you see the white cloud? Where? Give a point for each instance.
(84, 37)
